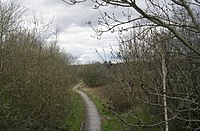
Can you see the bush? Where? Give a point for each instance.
(94, 74)
(34, 76)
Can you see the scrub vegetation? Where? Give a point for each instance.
(35, 76)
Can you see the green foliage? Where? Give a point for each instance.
(109, 122)
(76, 112)
(93, 74)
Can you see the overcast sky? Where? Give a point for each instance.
(75, 36)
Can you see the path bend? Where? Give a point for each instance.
(93, 119)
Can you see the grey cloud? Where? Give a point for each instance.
(75, 36)
(68, 14)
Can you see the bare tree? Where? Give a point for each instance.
(155, 75)
(10, 13)
(145, 65)
(166, 14)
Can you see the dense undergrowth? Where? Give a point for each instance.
(35, 76)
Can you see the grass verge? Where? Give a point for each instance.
(76, 113)
(109, 122)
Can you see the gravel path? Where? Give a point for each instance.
(93, 122)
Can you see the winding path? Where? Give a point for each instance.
(93, 122)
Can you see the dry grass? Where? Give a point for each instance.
(112, 98)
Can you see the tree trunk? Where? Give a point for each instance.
(164, 74)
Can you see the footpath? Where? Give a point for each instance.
(93, 119)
